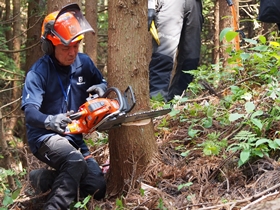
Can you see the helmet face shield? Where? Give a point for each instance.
(70, 24)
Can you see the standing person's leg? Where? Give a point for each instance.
(189, 48)
(94, 183)
(58, 153)
(169, 22)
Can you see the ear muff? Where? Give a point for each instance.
(46, 45)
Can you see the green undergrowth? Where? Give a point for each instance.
(243, 94)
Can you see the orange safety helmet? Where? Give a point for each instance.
(65, 26)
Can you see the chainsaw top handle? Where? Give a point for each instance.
(119, 95)
(126, 101)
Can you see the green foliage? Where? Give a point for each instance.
(212, 145)
(251, 146)
(5, 60)
(251, 118)
(8, 195)
(188, 184)
(103, 21)
(257, 67)
(161, 205)
(119, 204)
(99, 140)
(82, 205)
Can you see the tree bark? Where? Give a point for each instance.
(215, 52)
(34, 25)
(54, 5)
(90, 40)
(131, 146)
(16, 93)
(8, 18)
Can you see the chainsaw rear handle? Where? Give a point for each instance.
(76, 116)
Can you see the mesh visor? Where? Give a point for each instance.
(70, 24)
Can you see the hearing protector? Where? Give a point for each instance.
(46, 45)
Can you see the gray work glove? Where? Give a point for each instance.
(58, 122)
(98, 89)
(151, 17)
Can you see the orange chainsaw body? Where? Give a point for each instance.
(90, 114)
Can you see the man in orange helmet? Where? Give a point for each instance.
(56, 84)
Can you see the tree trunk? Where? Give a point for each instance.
(131, 146)
(54, 5)
(91, 16)
(8, 18)
(34, 25)
(34, 52)
(216, 51)
(16, 92)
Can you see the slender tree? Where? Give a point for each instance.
(131, 146)
(8, 21)
(216, 54)
(16, 26)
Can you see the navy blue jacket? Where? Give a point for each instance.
(54, 89)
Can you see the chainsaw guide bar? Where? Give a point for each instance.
(119, 120)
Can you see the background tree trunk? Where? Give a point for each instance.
(131, 147)
(54, 5)
(14, 111)
(91, 16)
(34, 25)
(216, 53)
(8, 23)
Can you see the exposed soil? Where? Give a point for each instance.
(206, 182)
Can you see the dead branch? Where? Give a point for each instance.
(11, 72)
(248, 199)
(15, 101)
(260, 199)
(21, 50)
(7, 89)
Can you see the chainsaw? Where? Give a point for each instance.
(109, 111)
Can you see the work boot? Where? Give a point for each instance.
(42, 179)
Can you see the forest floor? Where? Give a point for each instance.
(192, 181)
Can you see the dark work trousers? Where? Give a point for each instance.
(74, 172)
(179, 25)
